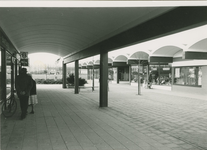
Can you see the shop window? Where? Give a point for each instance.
(0, 76)
(0, 63)
(134, 73)
(8, 73)
(188, 76)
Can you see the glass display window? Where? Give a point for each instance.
(8, 72)
(188, 76)
(0, 75)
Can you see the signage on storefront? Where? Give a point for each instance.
(24, 62)
(8, 60)
(177, 72)
(165, 68)
(24, 58)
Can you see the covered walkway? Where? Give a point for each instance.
(156, 120)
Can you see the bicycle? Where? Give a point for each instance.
(9, 106)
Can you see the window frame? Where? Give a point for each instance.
(185, 74)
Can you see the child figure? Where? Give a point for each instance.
(33, 96)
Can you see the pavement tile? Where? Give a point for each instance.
(67, 121)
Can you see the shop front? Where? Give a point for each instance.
(190, 77)
(9, 66)
(161, 74)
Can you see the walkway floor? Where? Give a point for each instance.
(155, 120)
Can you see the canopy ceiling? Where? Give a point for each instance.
(63, 31)
(75, 31)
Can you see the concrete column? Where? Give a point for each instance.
(172, 77)
(64, 75)
(3, 74)
(76, 83)
(130, 70)
(117, 79)
(103, 93)
(147, 80)
(159, 72)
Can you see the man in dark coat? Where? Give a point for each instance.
(23, 86)
(150, 80)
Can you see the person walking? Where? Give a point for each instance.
(23, 85)
(33, 96)
(150, 80)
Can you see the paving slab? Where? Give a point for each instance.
(155, 120)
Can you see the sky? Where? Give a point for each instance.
(43, 58)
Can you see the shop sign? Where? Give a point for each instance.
(165, 68)
(24, 58)
(24, 62)
(24, 55)
(177, 72)
(8, 60)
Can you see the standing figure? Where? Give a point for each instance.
(33, 96)
(150, 80)
(23, 85)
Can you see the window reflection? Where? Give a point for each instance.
(0, 75)
(8, 73)
(190, 76)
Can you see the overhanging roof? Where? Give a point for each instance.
(63, 31)
(83, 32)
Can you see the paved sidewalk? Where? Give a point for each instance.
(155, 120)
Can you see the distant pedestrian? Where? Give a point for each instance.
(23, 86)
(150, 80)
(33, 96)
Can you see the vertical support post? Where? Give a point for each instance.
(147, 80)
(159, 72)
(117, 75)
(172, 77)
(103, 93)
(138, 78)
(76, 77)
(3, 74)
(130, 70)
(93, 77)
(64, 75)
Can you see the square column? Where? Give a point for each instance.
(64, 75)
(117, 78)
(130, 70)
(103, 93)
(76, 82)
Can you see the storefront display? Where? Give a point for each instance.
(188, 76)
(0, 76)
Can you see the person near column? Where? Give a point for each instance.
(150, 80)
(23, 85)
(33, 96)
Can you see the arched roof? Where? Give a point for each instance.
(200, 46)
(120, 58)
(167, 51)
(97, 62)
(139, 55)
